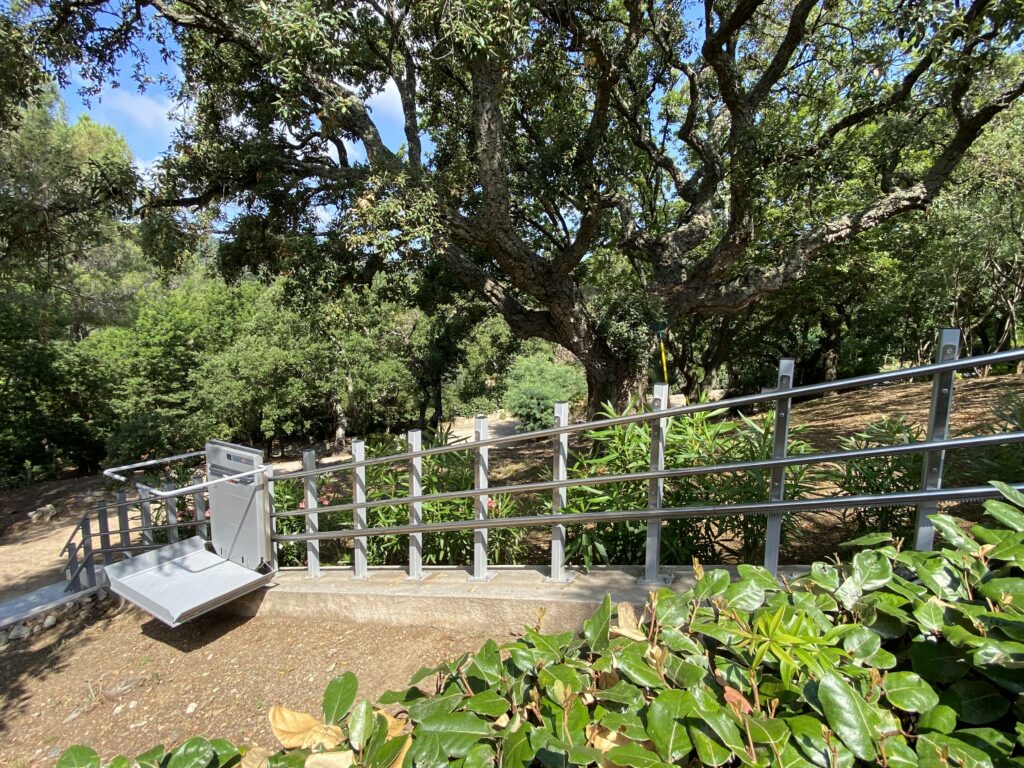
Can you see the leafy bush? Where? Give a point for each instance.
(970, 467)
(881, 475)
(536, 383)
(690, 440)
(451, 471)
(898, 658)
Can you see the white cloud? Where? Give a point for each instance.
(144, 112)
(387, 105)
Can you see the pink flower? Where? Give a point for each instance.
(491, 504)
(302, 504)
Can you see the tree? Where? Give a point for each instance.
(720, 148)
(66, 266)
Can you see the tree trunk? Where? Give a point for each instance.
(830, 344)
(612, 382)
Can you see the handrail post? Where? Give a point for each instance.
(559, 496)
(947, 348)
(87, 562)
(266, 477)
(74, 576)
(415, 440)
(777, 488)
(199, 505)
(101, 520)
(480, 468)
(656, 489)
(146, 517)
(123, 523)
(312, 518)
(359, 570)
(171, 508)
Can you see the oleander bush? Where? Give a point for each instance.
(696, 439)
(895, 658)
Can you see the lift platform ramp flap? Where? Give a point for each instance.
(186, 579)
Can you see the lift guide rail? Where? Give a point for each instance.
(186, 579)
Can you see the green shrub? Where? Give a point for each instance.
(697, 439)
(897, 658)
(973, 466)
(536, 384)
(881, 475)
(451, 471)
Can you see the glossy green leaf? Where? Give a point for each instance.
(871, 570)
(744, 595)
(1006, 514)
(846, 713)
(909, 692)
(456, 732)
(666, 724)
(934, 750)
(339, 697)
(861, 642)
(197, 752)
(487, 703)
(711, 584)
(151, 758)
(596, 628)
(976, 701)
(360, 724)
(79, 756)
(1012, 495)
(869, 540)
(941, 718)
(632, 755)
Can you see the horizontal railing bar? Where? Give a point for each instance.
(74, 532)
(184, 491)
(736, 402)
(161, 527)
(112, 472)
(704, 469)
(711, 510)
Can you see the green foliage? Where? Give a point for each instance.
(445, 472)
(451, 471)
(881, 475)
(895, 658)
(691, 440)
(971, 467)
(68, 265)
(536, 383)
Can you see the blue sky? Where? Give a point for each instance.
(147, 118)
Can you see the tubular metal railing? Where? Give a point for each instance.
(926, 500)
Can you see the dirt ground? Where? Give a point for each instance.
(121, 682)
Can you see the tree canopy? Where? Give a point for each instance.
(718, 148)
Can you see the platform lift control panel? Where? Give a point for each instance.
(187, 578)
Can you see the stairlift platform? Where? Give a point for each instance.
(186, 579)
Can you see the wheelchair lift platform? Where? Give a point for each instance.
(187, 578)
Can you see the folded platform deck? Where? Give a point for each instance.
(182, 580)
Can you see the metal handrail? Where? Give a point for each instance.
(735, 402)
(710, 510)
(702, 469)
(74, 532)
(112, 473)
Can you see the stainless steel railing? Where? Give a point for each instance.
(926, 499)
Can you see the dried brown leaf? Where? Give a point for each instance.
(395, 726)
(255, 757)
(323, 737)
(290, 727)
(345, 759)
